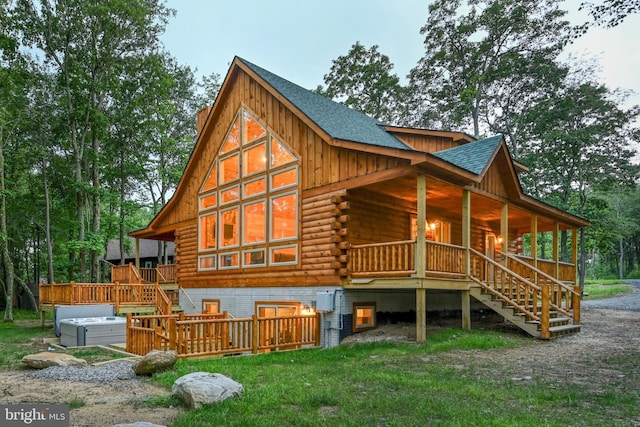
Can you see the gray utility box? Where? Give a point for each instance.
(85, 331)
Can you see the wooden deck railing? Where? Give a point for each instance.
(445, 259)
(383, 259)
(566, 271)
(128, 273)
(398, 259)
(139, 294)
(216, 334)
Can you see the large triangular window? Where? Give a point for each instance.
(248, 202)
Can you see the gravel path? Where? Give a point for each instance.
(109, 372)
(626, 302)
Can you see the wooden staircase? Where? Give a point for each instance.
(163, 276)
(534, 301)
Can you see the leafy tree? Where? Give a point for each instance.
(608, 14)
(583, 146)
(362, 80)
(479, 51)
(86, 44)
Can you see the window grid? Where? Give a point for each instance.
(273, 173)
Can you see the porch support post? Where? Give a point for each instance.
(466, 309)
(556, 250)
(504, 233)
(574, 253)
(534, 245)
(466, 229)
(421, 258)
(421, 238)
(138, 254)
(421, 315)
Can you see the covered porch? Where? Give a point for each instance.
(514, 254)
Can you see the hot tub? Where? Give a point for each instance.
(86, 331)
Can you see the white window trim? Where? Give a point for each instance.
(215, 263)
(270, 207)
(200, 249)
(265, 177)
(243, 163)
(228, 267)
(263, 250)
(279, 171)
(221, 227)
(294, 262)
(266, 218)
(229, 188)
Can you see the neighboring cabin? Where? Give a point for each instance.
(292, 202)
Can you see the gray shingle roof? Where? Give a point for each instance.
(337, 120)
(473, 156)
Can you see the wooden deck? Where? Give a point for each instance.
(528, 292)
(131, 291)
(205, 335)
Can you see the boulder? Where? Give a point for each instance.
(46, 359)
(155, 361)
(200, 388)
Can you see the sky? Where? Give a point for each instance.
(298, 40)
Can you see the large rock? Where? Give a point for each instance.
(155, 361)
(46, 359)
(200, 388)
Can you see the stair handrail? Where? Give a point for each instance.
(508, 301)
(188, 296)
(540, 272)
(575, 295)
(163, 304)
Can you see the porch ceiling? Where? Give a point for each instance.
(445, 199)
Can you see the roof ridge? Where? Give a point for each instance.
(473, 156)
(336, 119)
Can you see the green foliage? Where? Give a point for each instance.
(399, 385)
(362, 80)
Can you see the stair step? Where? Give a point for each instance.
(556, 331)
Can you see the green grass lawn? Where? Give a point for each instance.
(398, 385)
(598, 289)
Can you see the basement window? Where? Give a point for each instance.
(364, 316)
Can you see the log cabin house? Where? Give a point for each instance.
(293, 203)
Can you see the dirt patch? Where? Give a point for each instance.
(607, 350)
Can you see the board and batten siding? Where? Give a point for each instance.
(320, 163)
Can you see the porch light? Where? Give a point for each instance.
(499, 240)
(307, 311)
(432, 225)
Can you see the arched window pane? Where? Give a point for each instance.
(284, 221)
(279, 154)
(212, 179)
(209, 201)
(254, 222)
(252, 129)
(233, 138)
(229, 228)
(208, 232)
(256, 187)
(254, 160)
(284, 179)
(229, 169)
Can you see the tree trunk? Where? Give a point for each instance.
(47, 225)
(96, 208)
(4, 239)
(621, 267)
